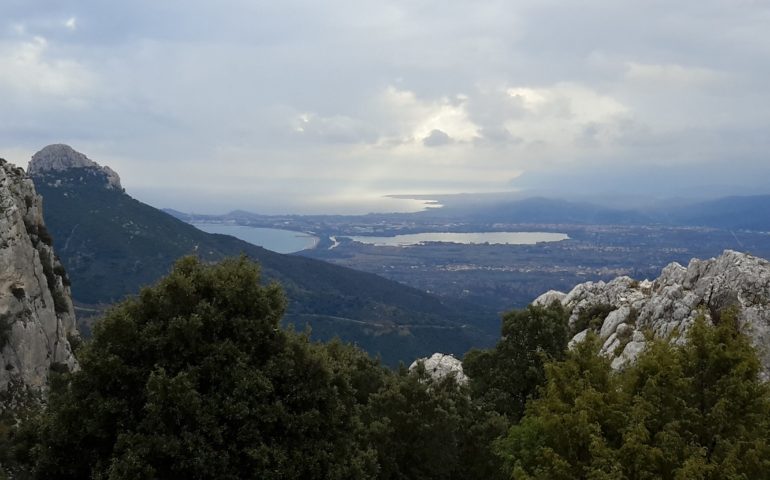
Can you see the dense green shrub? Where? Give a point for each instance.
(195, 379)
(688, 411)
(591, 318)
(505, 377)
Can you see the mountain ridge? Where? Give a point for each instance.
(747, 212)
(112, 244)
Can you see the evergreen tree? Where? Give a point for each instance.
(563, 433)
(697, 410)
(506, 376)
(194, 379)
(431, 429)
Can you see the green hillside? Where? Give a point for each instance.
(112, 245)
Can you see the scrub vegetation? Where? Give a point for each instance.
(194, 378)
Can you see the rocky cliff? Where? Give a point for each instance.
(36, 312)
(59, 158)
(626, 312)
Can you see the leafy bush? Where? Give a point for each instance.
(591, 318)
(505, 377)
(194, 379)
(696, 410)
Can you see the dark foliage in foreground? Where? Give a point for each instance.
(195, 379)
(504, 378)
(692, 411)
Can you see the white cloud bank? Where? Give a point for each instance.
(29, 69)
(301, 106)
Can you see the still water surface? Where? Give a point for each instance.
(281, 241)
(504, 238)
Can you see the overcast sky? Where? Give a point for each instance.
(324, 106)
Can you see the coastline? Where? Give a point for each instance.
(269, 238)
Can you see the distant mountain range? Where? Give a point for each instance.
(538, 210)
(735, 212)
(112, 244)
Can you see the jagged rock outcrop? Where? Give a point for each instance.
(59, 158)
(36, 311)
(439, 366)
(667, 306)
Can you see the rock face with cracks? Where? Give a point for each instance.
(36, 312)
(667, 306)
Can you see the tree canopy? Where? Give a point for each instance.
(696, 410)
(195, 379)
(506, 376)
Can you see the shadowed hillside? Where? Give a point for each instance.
(112, 245)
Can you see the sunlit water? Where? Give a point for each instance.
(281, 241)
(494, 238)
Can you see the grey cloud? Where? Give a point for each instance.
(437, 138)
(198, 87)
(497, 136)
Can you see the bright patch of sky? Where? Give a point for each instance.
(300, 106)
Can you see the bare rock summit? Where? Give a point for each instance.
(59, 158)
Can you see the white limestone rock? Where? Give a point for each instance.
(611, 344)
(59, 157)
(629, 354)
(36, 311)
(624, 330)
(579, 337)
(439, 366)
(668, 305)
(613, 321)
(549, 297)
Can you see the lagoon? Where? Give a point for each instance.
(281, 241)
(494, 238)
